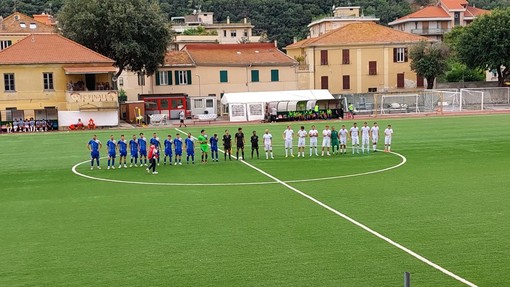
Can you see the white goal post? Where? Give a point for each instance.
(400, 103)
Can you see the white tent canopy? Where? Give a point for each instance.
(275, 96)
(251, 106)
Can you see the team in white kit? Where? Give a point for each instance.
(369, 135)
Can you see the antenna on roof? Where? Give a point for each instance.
(15, 8)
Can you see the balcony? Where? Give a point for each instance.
(433, 31)
(92, 100)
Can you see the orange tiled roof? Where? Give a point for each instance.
(427, 12)
(14, 24)
(49, 49)
(454, 4)
(360, 33)
(257, 54)
(475, 12)
(177, 58)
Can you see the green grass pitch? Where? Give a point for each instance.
(450, 202)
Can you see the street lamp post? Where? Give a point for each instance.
(199, 86)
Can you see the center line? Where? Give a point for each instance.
(359, 224)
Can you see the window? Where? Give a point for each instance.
(209, 103)
(177, 104)
(456, 20)
(22, 24)
(254, 75)
(183, 77)
(163, 78)
(400, 80)
(9, 83)
(223, 76)
(324, 82)
(4, 44)
(233, 33)
(275, 76)
(400, 55)
(372, 68)
(372, 90)
(224, 33)
(245, 33)
(141, 79)
(48, 81)
(324, 57)
(346, 82)
(345, 57)
(419, 81)
(198, 103)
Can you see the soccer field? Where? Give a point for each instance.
(443, 196)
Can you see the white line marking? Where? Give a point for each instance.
(404, 160)
(366, 228)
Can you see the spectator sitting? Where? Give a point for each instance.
(8, 126)
(91, 124)
(44, 125)
(80, 125)
(32, 125)
(26, 126)
(15, 125)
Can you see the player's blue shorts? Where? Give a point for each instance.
(123, 153)
(143, 152)
(168, 152)
(112, 154)
(178, 152)
(190, 151)
(134, 154)
(214, 148)
(94, 154)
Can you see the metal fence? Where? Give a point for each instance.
(431, 101)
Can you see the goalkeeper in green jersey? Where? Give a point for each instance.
(202, 140)
(334, 140)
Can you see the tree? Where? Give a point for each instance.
(485, 44)
(134, 33)
(429, 60)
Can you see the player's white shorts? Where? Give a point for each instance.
(313, 142)
(301, 142)
(288, 143)
(343, 140)
(355, 140)
(387, 140)
(326, 142)
(268, 147)
(375, 139)
(365, 141)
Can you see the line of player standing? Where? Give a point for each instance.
(139, 150)
(332, 138)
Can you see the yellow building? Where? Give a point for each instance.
(46, 76)
(357, 58)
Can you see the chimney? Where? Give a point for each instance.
(295, 39)
(45, 18)
(228, 19)
(245, 20)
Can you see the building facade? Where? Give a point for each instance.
(357, 58)
(434, 21)
(210, 70)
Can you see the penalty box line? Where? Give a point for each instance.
(358, 224)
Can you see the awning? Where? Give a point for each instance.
(89, 70)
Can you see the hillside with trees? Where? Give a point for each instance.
(281, 20)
